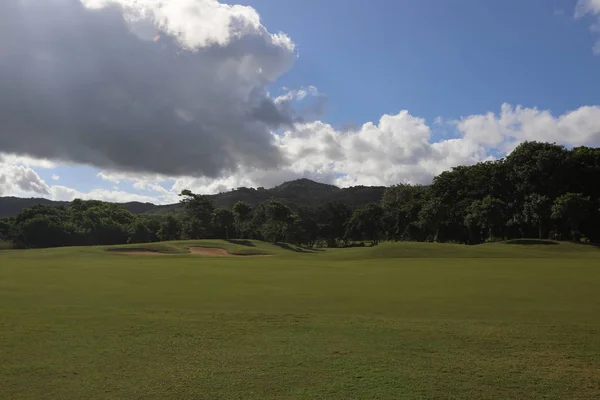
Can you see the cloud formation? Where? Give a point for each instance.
(167, 96)
(401, 148)
(514, 125)
(590, 7)
(398, 148)
(86, 82)
(19, 180)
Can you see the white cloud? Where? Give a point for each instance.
(584, 7)
(55, 177)
(26, 161)
(19, 180)
(64, 193)
(514, 125)
(590, 7)
(296, 95)
(399, 148)
(195, 23)
(23, 181)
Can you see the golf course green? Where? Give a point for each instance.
(395, 321)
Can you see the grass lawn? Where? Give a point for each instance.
(398, 321)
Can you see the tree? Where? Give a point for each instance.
(153, 226)
(432, 216)
(401, 205)
(223, 221)
(242, 213)
(571, 209)
(170, 229)
(42, 226)
(486, 216)
(5, 229)
(366, 223)
(332, 217)
(273, 220)
(536, 167)
(139, 232)
(458, 188)
(199, 210)
(536, 211)
(309, 224)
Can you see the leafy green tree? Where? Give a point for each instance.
(5, 229)
(571, 209)
(139, 232)
(273, 220)
(584, 170)
(432, 217)
(199, 211)
(309, 224)
(536, 167)
(170, 229)
(366, 223)
(458, 188)
(100, 223)
(242, 214)
(401, 205)
(486, 216)
(223, 221)
(536, 211)
(332, 217)
(153, 225)
(42, 226)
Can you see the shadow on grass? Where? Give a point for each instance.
(532, 241)
(131, 250)
(286, 246)
(311, 249)
(241, 242)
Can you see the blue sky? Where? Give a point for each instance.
(442, 61)
(438, 57)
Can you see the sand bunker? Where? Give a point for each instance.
(208, 251)
(199, 251)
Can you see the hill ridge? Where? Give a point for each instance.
(295, 193)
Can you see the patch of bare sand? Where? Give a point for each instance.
(199, 251)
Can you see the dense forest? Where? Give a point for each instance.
(540, 190)
(301, 192)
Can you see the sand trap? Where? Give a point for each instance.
(199, 251)
(209, 251)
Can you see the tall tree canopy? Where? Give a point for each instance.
(540, 190)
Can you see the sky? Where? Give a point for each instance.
(136, 100)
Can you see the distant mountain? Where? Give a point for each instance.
(301, 192)
(11, 206)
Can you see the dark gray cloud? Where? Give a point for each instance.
(79, 85)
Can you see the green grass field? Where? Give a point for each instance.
(397, 321)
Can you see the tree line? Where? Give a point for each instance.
(540, 190)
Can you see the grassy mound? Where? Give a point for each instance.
(447, 250)
(529, 242)
(245, 248)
